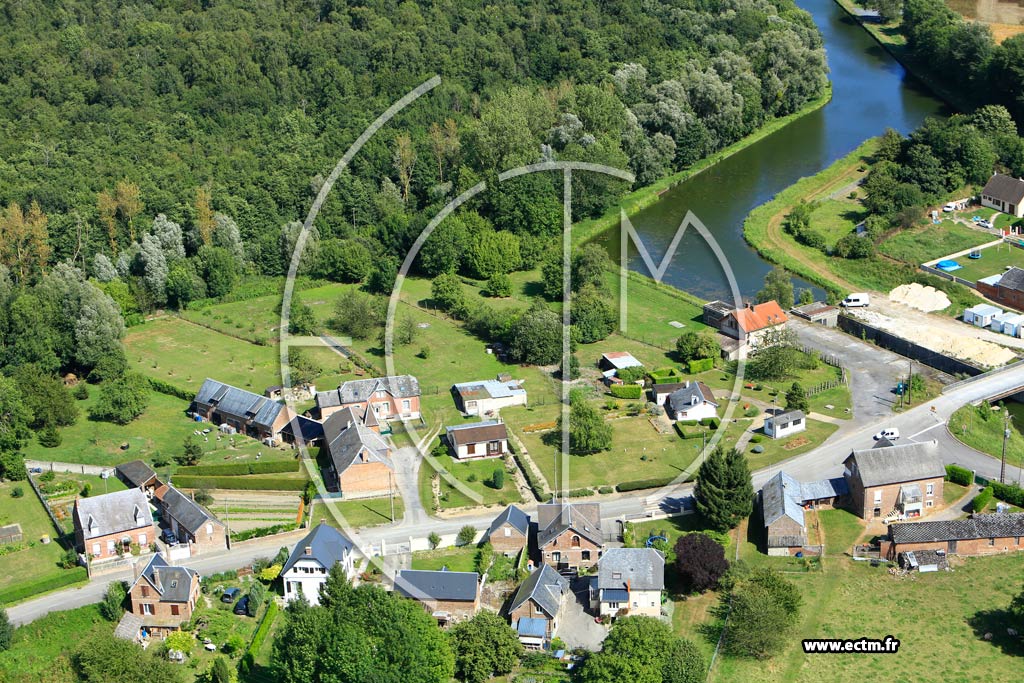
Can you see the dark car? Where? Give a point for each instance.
(242, 607)
(169, 537)
(230, 594)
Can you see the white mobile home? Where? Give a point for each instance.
(981, 315)
(1013, 326)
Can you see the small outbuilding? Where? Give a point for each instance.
(785, 424)
(618, 360)
(819, 313)
(981, 315)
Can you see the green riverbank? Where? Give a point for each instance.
(640, 199)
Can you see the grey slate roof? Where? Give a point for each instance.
(784, 419)
(690, 392)
(171, 582)
(189, 513)
(896, 464)
(239, 403)
(1006, 188)
(782, 496)
(327, 546)
(360, 390)
(1005, 525)
(545, 587)
(822, 489)
(1012, 279)
(514, 517)
(641, 569)
(113, 513)
(437, 585)
(345, 448)
(129, 626)
(555, 518)
(135, 473)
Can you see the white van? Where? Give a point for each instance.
(856, 300)
(889, 434)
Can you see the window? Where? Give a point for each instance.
(636, 604)
(1016, 541)
(111, 546)
(147, 608)
(494, 447)
(575, 542)
(508, 532)
(175, 611)
(209, 529)
(797, 423)
(145, 591)
(878, 496)
(585, 555)
(616, 575)
(406, 405)
(95, 549)
(929, 503)
(142, 539)
(613, 605)
(930, 489)
(991, 542)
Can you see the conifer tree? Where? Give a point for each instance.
(724, 493)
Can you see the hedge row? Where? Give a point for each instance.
(241, 468)
(581, 493)
(702, 365)
(538, 491)
(22, 591)
(626, 390)
(687, 432)
(249, 658)
(982, 500)
(643, 484)
(1008, 493)
(263, 531)
(266, 484)
(162, 387)
(712, 422)
(959, 475)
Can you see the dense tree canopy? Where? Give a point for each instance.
(724, 494)
(644, 650)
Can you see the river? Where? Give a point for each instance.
(870, 92)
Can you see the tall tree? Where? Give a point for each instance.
(778, 286)
(405, 162)
(765, 609)
(724, 494)
(24, 242)
(106, 206)
(129, 203)
(644, 650)
(484, 647)
(796, 398)
(588, 432)
(205, 224)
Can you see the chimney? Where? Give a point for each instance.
(686, 384)
(156, 577)
(308, 550)
(629, 583)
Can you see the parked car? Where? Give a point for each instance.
(889, 433)
(169, 537)
(242, 607)
(230, 594)
(36, 470)
(949, 208)
(856, 300)
(985, 224)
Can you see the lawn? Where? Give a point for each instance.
(360, 513)
(473, 474)
(456, 559)
(158, 432)
(952, 492)
(934, 241)
(776, 450)
(836, 218)
(39, 561)
(993, 261)
(967, 425)
(41, 650)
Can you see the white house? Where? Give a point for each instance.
(784, 424)
(307, 567)
(1004, 193)
(488, 396)
(691, 401)
(478, 440)
(981, 315)
(629, 581)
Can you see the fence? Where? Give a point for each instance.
(905, 347)
(825, 386)
(948, 276)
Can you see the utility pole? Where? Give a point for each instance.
(910, 378)
(391, 490)
(1006, 437)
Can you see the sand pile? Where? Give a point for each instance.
(920, 297)
(959, 344)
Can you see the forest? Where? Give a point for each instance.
(172, 146)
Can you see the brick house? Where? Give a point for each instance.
(630, 582)
(243, 411)
(487, 397)
(477, 440)
(107, 526)
(509, 533)
(448, 596)
(389, 398)
(360, 459)
(895, 482)
(1006, 289)
(569, 535)
(164, 596)
(311, 561)
(1004, 193)
(978, 535)
(782, 502)
(192, 523)
(537, 606)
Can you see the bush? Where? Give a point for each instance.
(81, 391)
(640, 484)
(580, 493)
(982, 500)
(29, 589)
(49, 437)
(702, 365)
(17, 492)
(959, 475)
(756, 438)
(162, 387)
(263, 531)
(606, 489)
(466, 535)
(497, 480)
(234, 643)
(538, 491)
(711, 422)
(632, 391)
(434, 539)
(242, 468)
(1014, 495)
(244, 483)
(112, 605)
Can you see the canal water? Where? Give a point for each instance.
(870, 92)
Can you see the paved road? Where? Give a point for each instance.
(920, 423)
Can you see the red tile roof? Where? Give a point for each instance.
(760, 316)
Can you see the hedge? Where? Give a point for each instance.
(162, 387)
(959, 475)
(688, 423)
(702, 365)
(249, 658)
(241, 468)
(243, 483)
(626, 390)
(982, 500)
(31, 589)
(644, 484)
(712, 422)
(263, 531)
(1008, 493)
(581, 493)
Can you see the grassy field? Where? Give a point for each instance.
(993, 261)
(836, 218)
(776, 450)
(474, 474)
(986, 436)
(934, 241)
(41, 650)
(160, 431)
(456, 559)
(361, 513)
(39, 561)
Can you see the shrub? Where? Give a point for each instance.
(466, 535)
(756, 438)
(711, 422)
(81, 391)
(1014, 495)
(30, 589)
(497, 480)
(700, 561)
(538, 491)
(112, 605)
(982, 500)
(434, 539)
(162, 387)
(959, 475)
(640, 484)
(263, 531)
(242, 468)
(49, 437)
(581, 493)
(17, 492)
(606, 490)
(234, 643)
(267, 484)
(632, 391)
(702, 365)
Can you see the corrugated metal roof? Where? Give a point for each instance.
(490, 388)
(532, 627)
